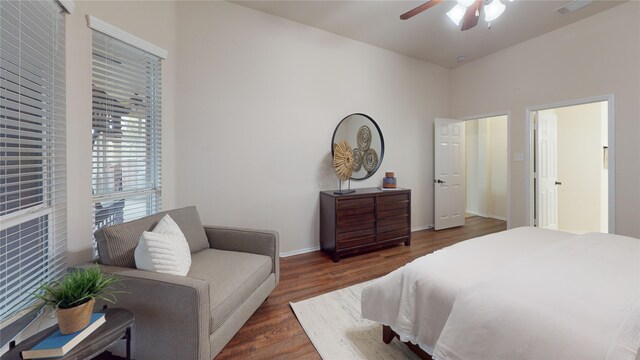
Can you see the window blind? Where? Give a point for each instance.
(32, 151)
(126, 131)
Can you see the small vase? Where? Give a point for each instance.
(389, 181)
(75, 318)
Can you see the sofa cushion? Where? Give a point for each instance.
(117, 243)
(164, 250)
(232, 277)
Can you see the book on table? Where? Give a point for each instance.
(58, 344)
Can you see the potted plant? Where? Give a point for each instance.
(74, 296)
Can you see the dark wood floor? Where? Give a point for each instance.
(273, 332)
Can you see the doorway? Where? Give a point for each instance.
(487, 176)
(571, 166)
(471, 177)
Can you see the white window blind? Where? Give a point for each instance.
(32, 150)
(126, 133)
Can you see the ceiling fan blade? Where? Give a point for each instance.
(470, 18)
(426, 6)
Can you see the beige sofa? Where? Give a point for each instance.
(192, 317)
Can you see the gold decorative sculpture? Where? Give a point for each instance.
(364, 138)
(370, 160)
(357, 160)
(343, 161)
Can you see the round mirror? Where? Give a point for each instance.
(366, 141)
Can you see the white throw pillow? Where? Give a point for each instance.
(164, 250)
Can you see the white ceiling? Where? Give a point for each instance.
(428, 36)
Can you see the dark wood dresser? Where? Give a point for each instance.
(367, 219)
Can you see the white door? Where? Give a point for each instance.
(449, 177)
(547, 170)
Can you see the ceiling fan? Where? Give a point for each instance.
(465, 11)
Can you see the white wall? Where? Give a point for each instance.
(474, 165)
(580, 167)
(486, 167)
(257, 100)
(250, 102)
(153, 21)
(499, 158)
(596, 56)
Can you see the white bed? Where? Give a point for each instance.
(526, 293)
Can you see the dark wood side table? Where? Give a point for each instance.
(117, 327)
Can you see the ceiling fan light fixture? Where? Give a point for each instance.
(465, 3)
(493, 10)
(456, 14)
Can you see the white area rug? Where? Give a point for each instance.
(337, 330)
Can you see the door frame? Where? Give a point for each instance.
(610, 98)
(506, 113)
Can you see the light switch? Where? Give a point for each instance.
(518, 157)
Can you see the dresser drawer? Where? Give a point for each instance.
(382, 199)
(355, 234)
(393, 235)
(351, 203)
(356, 221)
(344, 244)
(392, 210)
(394, 206)
(355, 225)
(392, 224)
(349, 211)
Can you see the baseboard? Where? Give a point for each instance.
(473, 213)
(419, 228)
(316, 248)
(298, 252)
(486, 216)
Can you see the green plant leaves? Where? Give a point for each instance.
(78, 287)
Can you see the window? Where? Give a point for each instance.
(126, 138)
(32, 152)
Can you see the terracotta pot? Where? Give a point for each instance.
(75, 318)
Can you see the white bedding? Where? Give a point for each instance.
(519, 294)
(416, 299)
(579, 299)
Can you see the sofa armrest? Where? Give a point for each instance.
(263, 242)
(172, 314)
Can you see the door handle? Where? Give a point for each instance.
(438, 181)
(558, 183)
